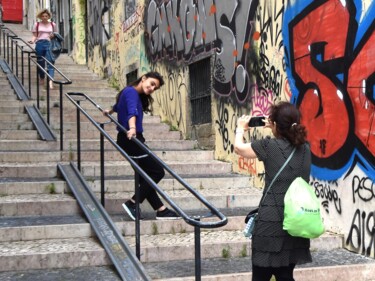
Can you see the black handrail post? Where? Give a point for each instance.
(22, 66)
(4, 45)
(61, 119)
(78, 137)
(137, 214)
(11, 52)
(197, 244)
(16, 58)
(37, 88)
(8, 48)
(29, 78)
(102, 199)
(48, 100)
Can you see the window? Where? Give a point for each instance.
(131, 76)
(200, 96)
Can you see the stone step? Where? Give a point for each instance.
(12, 108)
(18, 135)
(78, 252)
(110, 155)
(30, 228)
(27, 145)
(7, 125)
(38, 204)
(52, 253)
(8, 95)
(214, 244)
(14, 117)
(112, 168)
(37, 145)
(48, 186)
(336, 264)
(149, 126)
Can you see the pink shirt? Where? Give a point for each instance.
(44, 30)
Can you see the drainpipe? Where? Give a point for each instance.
(87, 32)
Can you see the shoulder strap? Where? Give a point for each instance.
(278, 173)
(37, 29)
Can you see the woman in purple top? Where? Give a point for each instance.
(131, 103)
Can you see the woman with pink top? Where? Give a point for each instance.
(42, 33)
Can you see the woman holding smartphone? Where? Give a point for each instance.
(274, 251)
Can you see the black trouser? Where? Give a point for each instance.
(284, 273)
(148, 165)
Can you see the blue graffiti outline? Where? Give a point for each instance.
(294, 8)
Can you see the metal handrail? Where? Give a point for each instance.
(30, 51)
(223, 220)
(194, 220)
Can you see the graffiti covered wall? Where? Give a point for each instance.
(78, 22)
(331, 68)
(327, 71)
(315, 54)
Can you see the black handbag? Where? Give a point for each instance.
(251, 214)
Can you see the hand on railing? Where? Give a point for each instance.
(107, 112)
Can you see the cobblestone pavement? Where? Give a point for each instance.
(178, 268)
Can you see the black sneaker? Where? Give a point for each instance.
(129, 207)
(167, 214)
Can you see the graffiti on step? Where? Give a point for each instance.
(329, 46)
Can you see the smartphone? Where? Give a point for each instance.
(257, 121)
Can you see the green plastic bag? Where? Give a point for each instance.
(302, 211)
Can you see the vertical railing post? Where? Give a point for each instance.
(137, 214)
(197, 245)
(61, 119)
(22, 66)
(78, 137)
(37, 86)
(16, 43)
(48, 102)
(29, 78)
(102, 199)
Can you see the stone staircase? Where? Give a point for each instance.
(43, 233)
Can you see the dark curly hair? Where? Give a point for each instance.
(287, 118)
(145, 99)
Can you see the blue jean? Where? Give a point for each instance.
(42, 49)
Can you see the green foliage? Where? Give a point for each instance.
(114, 83)
(51, 188)
(225, 253)
(155, 230)
(243, 252)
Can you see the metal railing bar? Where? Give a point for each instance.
(189, 220)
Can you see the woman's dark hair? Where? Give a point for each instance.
(287, 118)
(145, 99)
